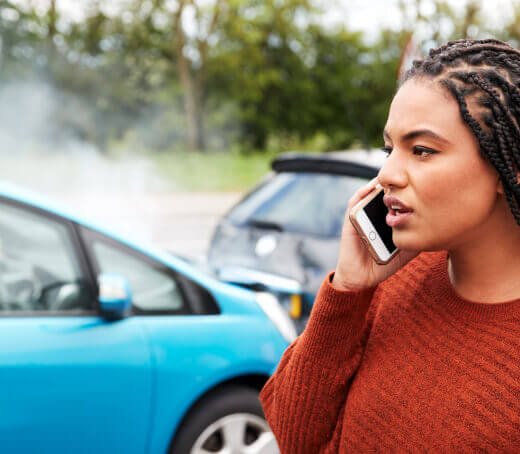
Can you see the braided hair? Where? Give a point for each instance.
(484, 78)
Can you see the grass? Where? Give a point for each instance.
(215, 171)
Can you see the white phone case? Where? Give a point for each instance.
(368, 232)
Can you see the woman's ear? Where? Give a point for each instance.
(500, 186)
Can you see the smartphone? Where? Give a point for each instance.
(368, 217)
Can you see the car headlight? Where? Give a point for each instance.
(277, 315)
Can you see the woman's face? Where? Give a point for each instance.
(435, 169)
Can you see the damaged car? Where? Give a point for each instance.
(112, 346)
(284, 235)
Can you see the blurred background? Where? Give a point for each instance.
(169, 121)
(157, 115)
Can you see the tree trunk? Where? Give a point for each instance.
(52, 20)
(51, 33)
(470, 18)
(191, 92)
(201, 134)
(191, 105)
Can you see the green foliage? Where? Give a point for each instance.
(271, 77)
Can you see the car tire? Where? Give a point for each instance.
(231, 418)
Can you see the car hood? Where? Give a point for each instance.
(289, 256)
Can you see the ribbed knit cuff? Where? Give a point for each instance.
(337, 319)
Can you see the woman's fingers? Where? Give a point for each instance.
(363, 192)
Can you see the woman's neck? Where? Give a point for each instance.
(487, 268)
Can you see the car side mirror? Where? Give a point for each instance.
(115, 295)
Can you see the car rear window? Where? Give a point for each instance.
(306, 203)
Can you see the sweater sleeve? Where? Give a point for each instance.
(303, 399)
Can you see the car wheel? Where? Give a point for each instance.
(228, 421)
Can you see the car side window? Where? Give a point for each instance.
(153, 288)
(39, 268)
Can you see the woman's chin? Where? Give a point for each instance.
(407, 241)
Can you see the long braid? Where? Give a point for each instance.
(486, 75)
(505, 121)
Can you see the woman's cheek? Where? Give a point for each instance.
(433, 227)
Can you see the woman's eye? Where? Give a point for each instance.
(423, 152)
(387, 150)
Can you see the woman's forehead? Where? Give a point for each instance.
(423, 104)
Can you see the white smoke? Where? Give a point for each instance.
(125, 192)
(36, 153)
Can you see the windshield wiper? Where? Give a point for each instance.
(266, 225)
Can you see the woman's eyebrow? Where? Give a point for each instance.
(418, 133)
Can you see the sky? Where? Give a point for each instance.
(368, 15)
(362, 15)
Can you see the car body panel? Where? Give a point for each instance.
(183, 374)
(295, 256)
(67, 380)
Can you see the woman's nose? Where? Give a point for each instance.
(393, 172)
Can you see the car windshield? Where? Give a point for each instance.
(306, 203)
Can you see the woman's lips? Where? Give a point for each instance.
(398, 212)
(394, 219)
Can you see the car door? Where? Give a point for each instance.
(182, 324)
(70, 380)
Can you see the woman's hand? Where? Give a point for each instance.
(356, 269)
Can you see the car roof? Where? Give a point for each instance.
(362, 163)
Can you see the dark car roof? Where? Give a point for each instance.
(360, 163)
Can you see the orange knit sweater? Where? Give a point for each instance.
(408, 366)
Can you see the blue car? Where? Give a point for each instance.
(111, 347)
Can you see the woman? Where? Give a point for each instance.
(423, 354)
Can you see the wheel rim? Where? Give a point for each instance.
(239, 433)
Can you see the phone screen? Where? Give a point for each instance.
(376, 212)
